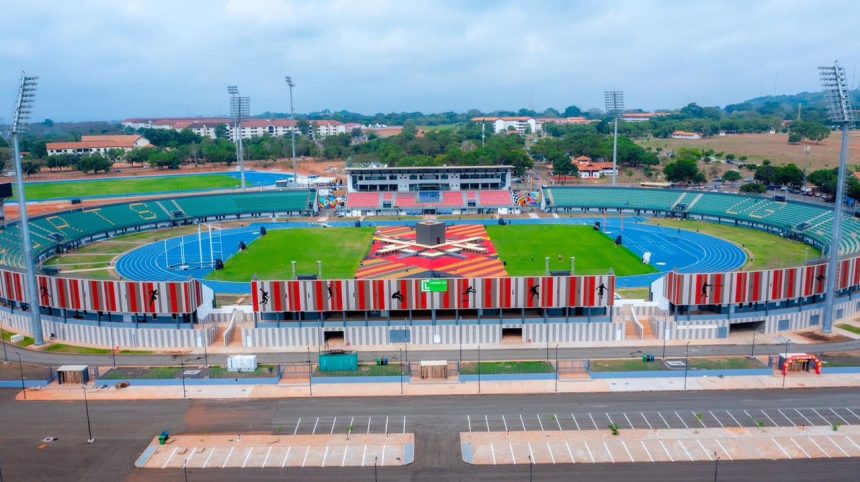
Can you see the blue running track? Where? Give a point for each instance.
(670, 249)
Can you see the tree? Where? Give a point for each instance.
(221, 132)
(789, 175)
(30, 167)
(684, 171)
(138, 156)
(753, 188)
(93, 163)
(794, 137)
(766, 174)
(814, 131)
(572, 111)
(731, 176)
(164, 159)
(825, 180)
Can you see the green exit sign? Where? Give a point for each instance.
(434, 285)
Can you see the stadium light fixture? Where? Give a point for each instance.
(840, 111)
(20, 116)
(240, 107)
(614, 106)
(290, 83)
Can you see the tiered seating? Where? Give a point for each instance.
(491, 199)
(363, 200)
(453, 199)
(406, 200)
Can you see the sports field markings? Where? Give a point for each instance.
(575, 422)
(786, 417)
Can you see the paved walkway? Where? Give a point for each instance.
(377, 389)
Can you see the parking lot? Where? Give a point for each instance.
(669, 419)
(332, 425)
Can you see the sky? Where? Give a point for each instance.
(108, 59)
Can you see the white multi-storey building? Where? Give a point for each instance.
(521, 125)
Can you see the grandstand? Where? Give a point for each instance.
(806, 222)
(428, 202)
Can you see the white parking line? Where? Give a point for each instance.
(685, 450)
(315, 426)
(332, 426)
(286, 456)
(228, 457)
(733, 418)
(404, 424)
(804, 417)
(297, 426)
(608, 418)
(369, 418)
(364, 455)
(551, 456)
(468, 420)
(266, 460)
(513, 457)
(522, 422)
(819, 446)
(493, 452)
(718, 420)
(305, 458)
(781, 448)
(827, 422)
(682, 420)
(664, 420)
(504, 421)
(588, 449)
(211, 452)
(574, 421)
(628, 451)
(592, 421)
(698, 417)
(751, 417)
(325, 456)
(837, 446)
(852, 413)
(343, 460)
(486, 421)
(628, 421)
(786, 417)
(169, 458)
(768, 417)
(351, 419)
(247, 457)
(386, 425)
(539, 422)
(569, 452)
(557, 421)
(723, 448)
(840, 416)
(852, 442)
(671, 459)
(611, 458)
(704, 449)
(801, 448)
(188, 460)
(646, 420)
(382, 459)
(646, 450)
(531, 454)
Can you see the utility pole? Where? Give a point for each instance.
(20, 116)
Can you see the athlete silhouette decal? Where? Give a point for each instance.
(397, 296)
(533, 291)
(601, 290)
(330, 290)
(46, 296)
(153, 298)
(264, 297)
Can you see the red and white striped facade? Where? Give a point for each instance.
(406, 294)
(157, 298)
(757, 286)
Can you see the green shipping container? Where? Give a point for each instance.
(340, 362)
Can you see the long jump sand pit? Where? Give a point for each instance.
(278, 451)
(681, 445)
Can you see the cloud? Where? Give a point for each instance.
(105, 59)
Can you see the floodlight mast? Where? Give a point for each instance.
(20, 116)
(840, 111)
(293, 129)
(614, 106)
(239, 108)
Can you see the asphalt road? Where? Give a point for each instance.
(123, 429)
(40, 358)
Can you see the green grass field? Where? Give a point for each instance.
(764, 250)
(525, 247)
(120, 187)
(340, 250)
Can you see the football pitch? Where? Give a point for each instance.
(525, 248)
(340, 250)
(121, 187)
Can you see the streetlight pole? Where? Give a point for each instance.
(90, 438)
(479, 368)
(531, 468)
(375, 471)
(23, 108)
(401, 372)
(182, 368)
(686, 363)
(556, 367)
(716, 466)
(21, 369)
(293, 130)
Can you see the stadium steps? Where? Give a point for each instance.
(678, 201)
(165, 209)
(695, 200)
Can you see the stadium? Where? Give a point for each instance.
(442, 255)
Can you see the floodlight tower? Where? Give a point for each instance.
(840, 111)
(614, 106)
(293, 130)
(20, 116)
(240, 108)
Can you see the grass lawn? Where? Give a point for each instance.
(119, 187)
(138, 373)
(524, 248)
(849, 327)
(634, 293)
(505, 367)
(85, 350)
(764, 250)
(340, 250)
(392, 370)
(262, 371)
(7, 337)
(637, 365)
(626, 365)
(732, 363)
